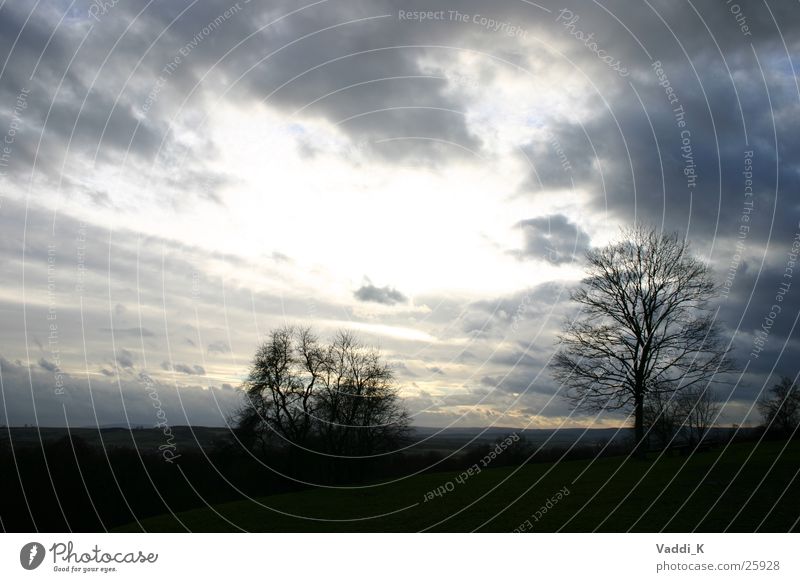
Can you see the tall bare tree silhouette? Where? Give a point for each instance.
(645, 326)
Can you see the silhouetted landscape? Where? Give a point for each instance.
(115, 478)
(398, 266)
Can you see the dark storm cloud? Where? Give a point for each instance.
(629, 154)
(110, 104)
(762, 308)
(84, 94)
(357, 68)
(63, 107)
(385, 295)
(359, 42)
(390, 101)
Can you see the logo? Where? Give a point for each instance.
(31, 555)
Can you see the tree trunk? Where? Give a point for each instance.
(638, 426)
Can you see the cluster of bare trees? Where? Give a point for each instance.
(337, 397)
(685, 415)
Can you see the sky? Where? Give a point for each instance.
(178, 178)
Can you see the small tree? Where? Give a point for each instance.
(660, 417)
(781, 407)
(696, 408)
(645, 326)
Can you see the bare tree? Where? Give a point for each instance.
(340, 396)
(280, 385)
(781, 408)
(645, 326)
(660, 417)
(359, 408)
(696, 408)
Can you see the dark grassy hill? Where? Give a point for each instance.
(746, 487)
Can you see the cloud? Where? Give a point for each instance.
(402, 369)
(108, 402)
(552, 238)
(189, 370)
(542, 306)
(125, 358)
(218, 347)
(384, 295)
(129, 331)
(49, 366)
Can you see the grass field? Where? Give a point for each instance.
(743, 488)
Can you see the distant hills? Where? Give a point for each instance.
(425, 439)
